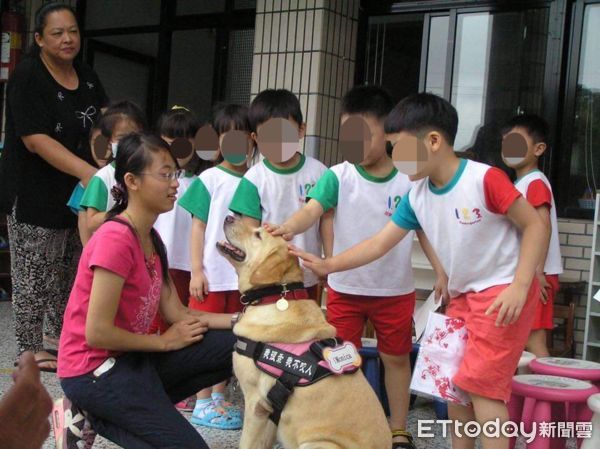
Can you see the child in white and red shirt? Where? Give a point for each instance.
(524, 142)
(466, 210)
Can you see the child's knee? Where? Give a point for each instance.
(398, 362)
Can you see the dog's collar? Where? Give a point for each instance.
(273, 293)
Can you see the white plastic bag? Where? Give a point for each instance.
(441, 352)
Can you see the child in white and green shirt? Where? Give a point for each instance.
(278, 186)
(118, 120)
(214, 282)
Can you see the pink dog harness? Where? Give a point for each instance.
(299, 364)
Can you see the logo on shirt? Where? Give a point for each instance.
(304, 189)
(88, 114)
(90, 85)
(392, 204)
(60, 96)
(468, 216)
(58, 128)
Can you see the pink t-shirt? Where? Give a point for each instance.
(116, 248)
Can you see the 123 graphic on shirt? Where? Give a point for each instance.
(468, 216)
(392, 204)
(304, 189)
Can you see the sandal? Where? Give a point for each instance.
(410, 444)
(41, 368)
(45, 368)
(227, 407)
(217, 419)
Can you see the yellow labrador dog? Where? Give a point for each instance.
(338, 411)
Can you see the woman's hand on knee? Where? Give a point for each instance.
(184, 333)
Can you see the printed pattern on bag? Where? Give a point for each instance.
(441, 352)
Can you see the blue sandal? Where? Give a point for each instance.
(211, 417)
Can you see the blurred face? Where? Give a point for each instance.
(236, 146)
(519, 150)
(362, 138)
(278, 139)
(157, 186)
(100, 161)
(414, 154)
(180, 149)
(60, 38)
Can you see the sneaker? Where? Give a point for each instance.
(72, 430)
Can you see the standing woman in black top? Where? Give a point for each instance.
(52, 101)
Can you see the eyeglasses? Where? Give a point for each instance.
(171, 176)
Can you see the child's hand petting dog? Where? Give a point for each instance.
(314, 263)
(279, 230)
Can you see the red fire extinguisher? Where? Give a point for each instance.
(12, 42)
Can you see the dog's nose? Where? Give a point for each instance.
(229, 219)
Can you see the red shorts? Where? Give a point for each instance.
(492, 353)
(391, 317)
(218, 302)
(543, 317)
(181, 279)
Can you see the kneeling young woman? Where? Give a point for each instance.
(109, 365)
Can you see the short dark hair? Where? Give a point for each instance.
(368, 100)
(230, 116)
(123, 110)
(274, 103)
(419, 112)
(178, 122)
(536, 126)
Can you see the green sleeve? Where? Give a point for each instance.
(96, 195)
(246, 200)
(326, 190)
(196, 200)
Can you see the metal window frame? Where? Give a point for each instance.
(569, 96)
(556, 52)
(170, 22)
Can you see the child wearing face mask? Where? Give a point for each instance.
(178, 127)
(74, 202)
(118, 120)
(214, 283)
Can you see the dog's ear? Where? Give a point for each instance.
(272, 269)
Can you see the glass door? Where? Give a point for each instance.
(490, 64)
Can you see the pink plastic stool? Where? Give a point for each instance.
(573, 368)
(538, 398)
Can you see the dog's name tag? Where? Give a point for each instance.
(282, 304)
(342, 358)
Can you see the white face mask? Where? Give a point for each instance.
(113, 148)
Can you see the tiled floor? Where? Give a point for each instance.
(216, 439)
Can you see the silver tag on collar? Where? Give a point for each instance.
(282, 304)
